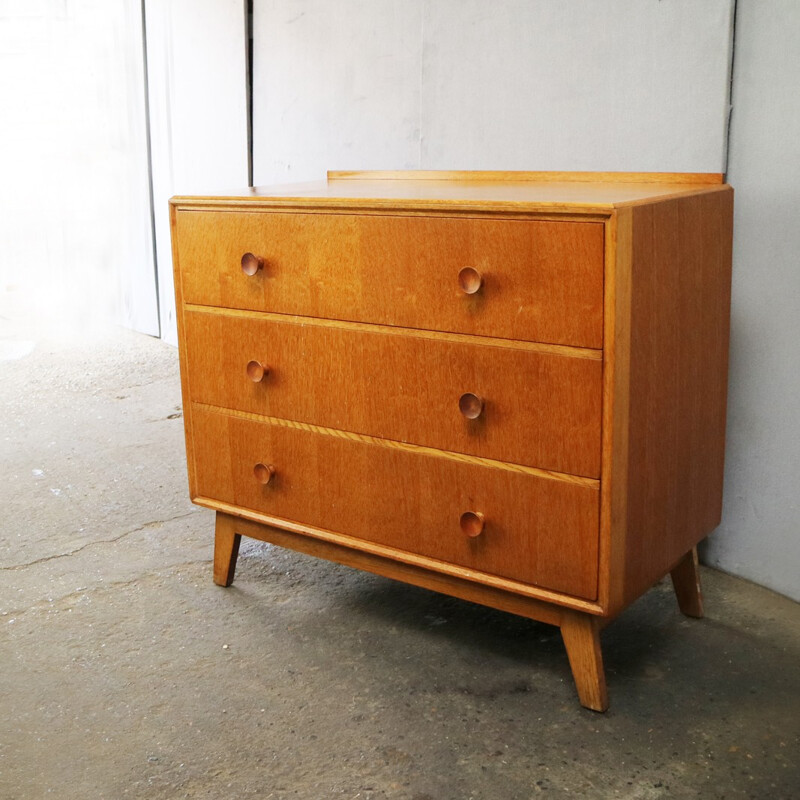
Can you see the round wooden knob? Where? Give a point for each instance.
(263, 472)
(470, 280)
(257, 371)
(470, 405)
(472, 523)
(251, 263)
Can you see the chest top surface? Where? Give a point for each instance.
(578, 192)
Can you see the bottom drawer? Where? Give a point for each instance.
(539, 530)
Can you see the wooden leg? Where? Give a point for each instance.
(226, 549)
(581, 635)
(686, 580)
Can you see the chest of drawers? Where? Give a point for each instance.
(507, 387)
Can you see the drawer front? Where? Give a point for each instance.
(542, 280)
(537, 530)
(539, 409)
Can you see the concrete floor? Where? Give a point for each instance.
(125, 673)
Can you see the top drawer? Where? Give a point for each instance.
(541, 280)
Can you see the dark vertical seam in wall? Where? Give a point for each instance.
(420, 137)
(730, 93)
(150, 163)
(248, 43)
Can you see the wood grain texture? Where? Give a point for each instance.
(416, 333)
(581, 635)
(616, 407)
(226, 550)
(179, 320)
(595, 350)
(680, 312)
(389, 567)
(425, 564)
(537, 531)
(542, 281)
(489, 176)
(432, 452)
(686, 581)
(541, 410)
(565, 198)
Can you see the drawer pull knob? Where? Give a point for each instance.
(257, 371)
(472, 523)
(263, 472)
(470, 280)
(470, 405)
(251, 263)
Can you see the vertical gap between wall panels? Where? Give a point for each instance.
(149, 151)
(248, 21)
(729, 119)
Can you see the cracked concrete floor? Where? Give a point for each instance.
(125, 673)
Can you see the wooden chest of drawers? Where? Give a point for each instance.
(509, 387)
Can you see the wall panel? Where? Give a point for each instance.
(636, 85)
(75, 232)
(507, 84)
(336, 85)
(760, 533)
(196, 53)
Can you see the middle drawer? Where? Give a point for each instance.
(530, 406)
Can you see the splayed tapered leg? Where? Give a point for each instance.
(686, 580)
(581, 635)
(226, 549)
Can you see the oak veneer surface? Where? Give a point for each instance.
(680, 311)
(537, 179)
(616, 406)
(581, 636)
(387, 564)
(598, 342)
(498, 192)
(538, 530)
(542, 280)
(540, 409)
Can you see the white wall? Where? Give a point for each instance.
(75, 233)
(196, 57)
(760, 533)
(335, 84)
(507, 84)
(404, 84)
(605, 85)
